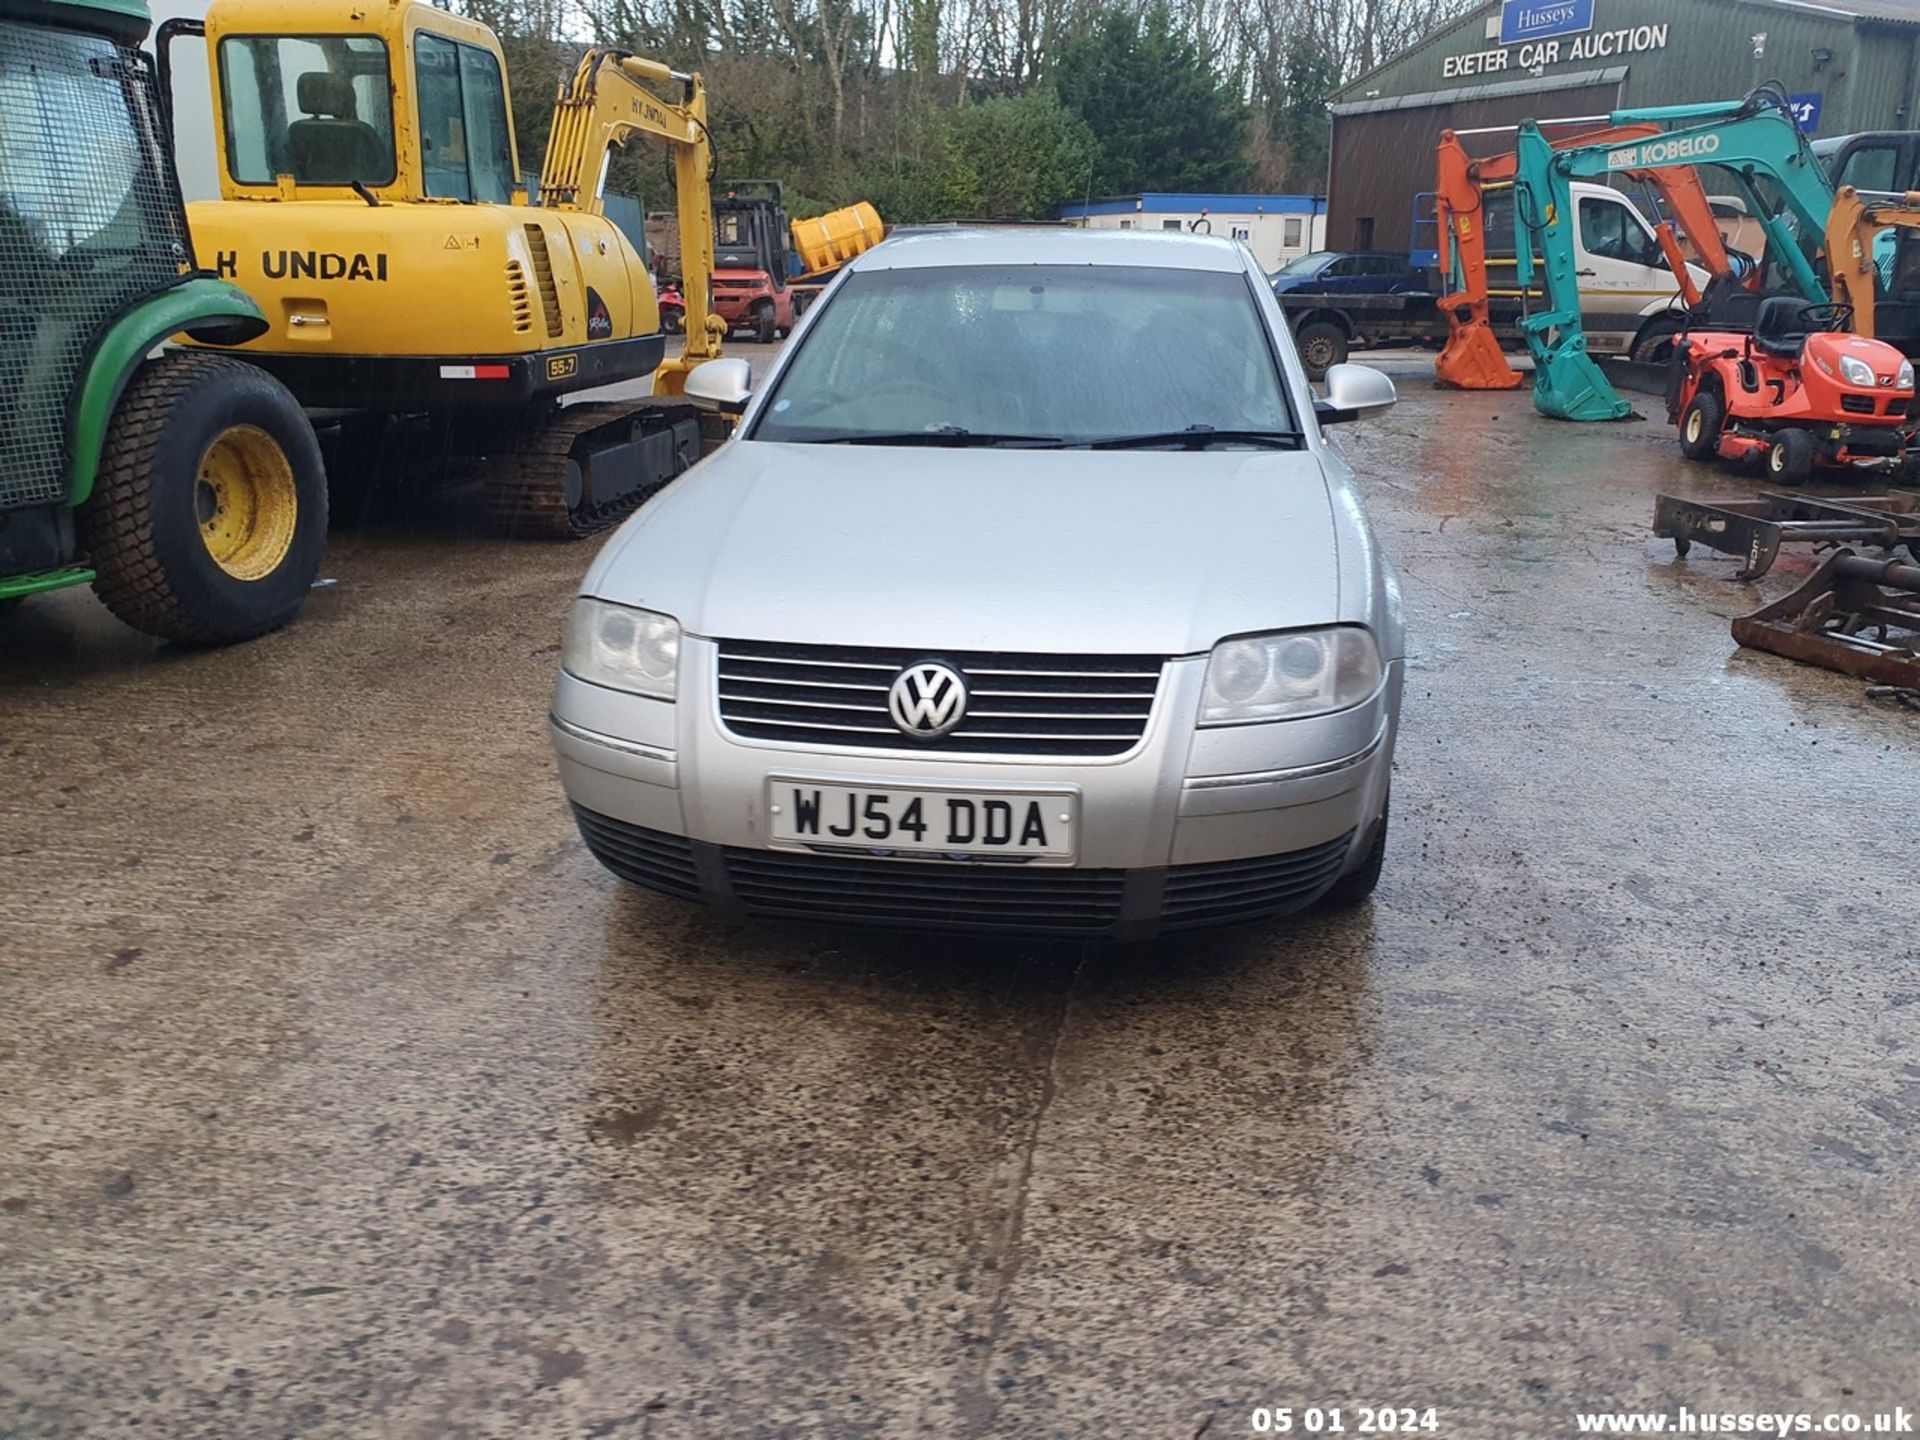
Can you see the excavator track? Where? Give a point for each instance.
(547, 487)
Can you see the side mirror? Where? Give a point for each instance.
(726, 385)
(1353, 392)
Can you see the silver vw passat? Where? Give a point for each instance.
(1027, 597)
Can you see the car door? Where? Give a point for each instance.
(1388, 275)
(1621, 267)
(1342, 277)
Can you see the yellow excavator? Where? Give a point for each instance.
(371, 203)
(1883, 295)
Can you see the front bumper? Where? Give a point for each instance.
(1190, 829)
(735, 306)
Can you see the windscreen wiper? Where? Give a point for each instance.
(956, 437)
(1198, 437)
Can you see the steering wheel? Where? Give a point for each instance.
(1827, 317)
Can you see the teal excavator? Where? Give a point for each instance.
(1771, 166)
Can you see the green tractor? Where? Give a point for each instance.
(186, 485)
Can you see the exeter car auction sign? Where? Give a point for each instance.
(1534, 56)
(1522, 20)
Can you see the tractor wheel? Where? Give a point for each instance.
(672, 321)
(1350, 889)
(1322, 346)
(208, 516)
(763, 327)
(1700, 426)
(1790, 457)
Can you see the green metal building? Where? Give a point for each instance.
(1850, 65)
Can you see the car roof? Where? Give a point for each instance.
(1015, 245)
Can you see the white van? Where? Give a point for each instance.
(1628, 297)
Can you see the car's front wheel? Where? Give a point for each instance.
(1356, 885)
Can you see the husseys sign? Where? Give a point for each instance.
(308, 265)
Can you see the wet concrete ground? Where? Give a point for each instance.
(342, 1094)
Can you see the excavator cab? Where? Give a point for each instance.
(317, 102)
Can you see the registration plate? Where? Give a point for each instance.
(964, 823)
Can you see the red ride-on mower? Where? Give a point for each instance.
(1796, 392)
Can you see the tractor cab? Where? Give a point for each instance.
(188, 489)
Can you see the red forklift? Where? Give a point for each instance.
(750, 259)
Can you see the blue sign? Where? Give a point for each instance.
(1522, 20)
(1806, 111)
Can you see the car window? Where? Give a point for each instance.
(1345, 265)
(1870, 167)
(1077, 353)
(1613, 232)
(1311, 264)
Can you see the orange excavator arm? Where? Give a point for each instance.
(1473, 359)
(1685, 199)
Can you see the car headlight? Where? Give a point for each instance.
(622, 648)
(1856, 371)
(1904, 379)
(1290, 675)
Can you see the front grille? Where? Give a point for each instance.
(1018, 704)
(1236, 892)
(945, 895)
(646, 857)
(1857, 404)
(936, 895)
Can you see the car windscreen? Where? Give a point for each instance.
(1307, 264)
(1076, 353)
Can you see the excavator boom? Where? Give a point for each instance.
(608, 102)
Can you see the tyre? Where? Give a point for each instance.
(1700, 425)
(1350, 889)
(1790, 457)
(1654, 345)
(672, 322)
(1322, 346)
(208, 516)
(763, 326)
